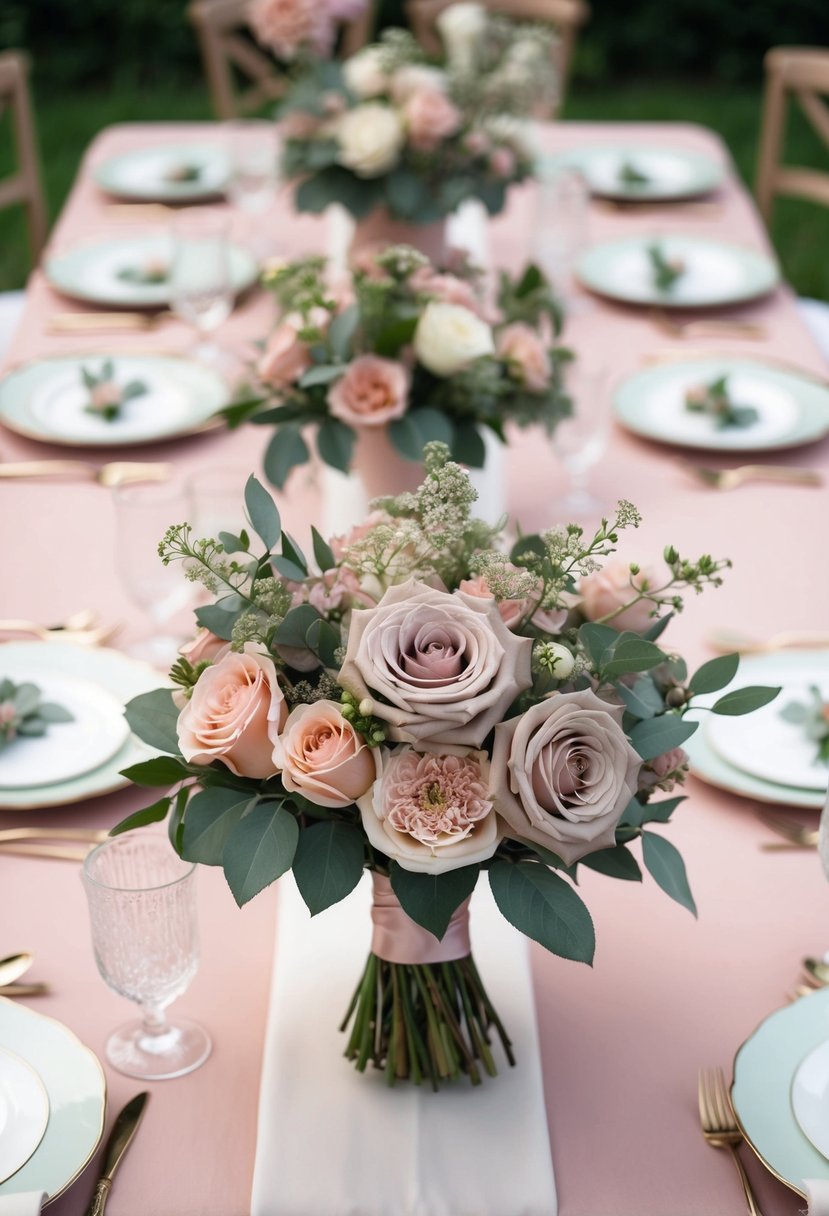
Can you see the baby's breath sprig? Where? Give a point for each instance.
(360, 715)
(205, 563)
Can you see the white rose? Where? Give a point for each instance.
(370, 138)
(449, 336)
(364, 74)
(461, 27)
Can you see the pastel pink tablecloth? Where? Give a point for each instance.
(622, 1042)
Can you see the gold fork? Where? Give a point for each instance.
(794, 835)
(711, 327)
(719, 1125)
(115, 473)
(729, 479)
(87, 322)
(729, 640)
(52, 852)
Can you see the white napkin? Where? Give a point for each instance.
(334, 1141)
(26, 1203)
(817, 1193)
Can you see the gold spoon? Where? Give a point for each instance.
(14, 966)
(817, 970)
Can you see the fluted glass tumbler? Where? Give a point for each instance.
(142, 908)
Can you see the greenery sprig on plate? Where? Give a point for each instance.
(716, 402)
(665, 270)
(630, 175)
(813, 717)
(23, 714)
(106, 397)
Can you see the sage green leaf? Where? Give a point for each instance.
(342, 329)
(140, 819)
(643, 699)
(744, 700)
(175, 824)
(335, 444)
(286, 450)
(666, 866)
(323, 553)
(217, 620)
(431, 900)
(50, 712)
(631, 655)
(328, 863)
(153, 717)
(406, 438)
(161, 770)
(432, 425)
(544, 907)
(617, 862)
(259, 848)
(468, 445)
(658, 735)
(211, 817)
(598, 640)
(714, 674)
(293, 629)
(323, 640)
(262, 513)
(323, 373)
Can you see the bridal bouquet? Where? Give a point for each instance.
(392, 128)
(400, 346)
(422, 704)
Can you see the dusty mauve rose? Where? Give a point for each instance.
(321, 756)
(524, 349)
(370, 392)
(664, 770)
(286, 356)
(431, 812)
(234, 715)
(430, 117)
(287, 25)
(609, 588)
(563, 773)
(204, 648)
(445, 665)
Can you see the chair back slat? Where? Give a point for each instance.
(803, 74)
(23, 185)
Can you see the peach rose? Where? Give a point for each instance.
(513, 611)
(449, 289)
(370, 392)
(204, 648)
(607, 590)
(286, 356)
(523, 348)
(287, 25)
(322, 757)
(430, 117)
(234, 715)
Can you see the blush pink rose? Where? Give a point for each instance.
(502, 162)
(371, 392)
(204, 648)
(665, 770)
(523, 348)
(513, 611)
(341, 544)
(430, 117)
(449, 289)
(288, 25)
(321, 756)
(234, 715)
(605, 591)
(286, 356)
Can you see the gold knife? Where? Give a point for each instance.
(120, 1138)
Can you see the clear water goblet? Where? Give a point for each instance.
(561, 230)
(201, 291)
(142, 910)
(580, 440)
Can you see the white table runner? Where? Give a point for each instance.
(333, 1142)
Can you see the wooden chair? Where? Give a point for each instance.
(566, 17)
(24, 184)
(227, 48)
(804, 73)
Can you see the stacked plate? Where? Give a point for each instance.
(762, 755)
(52, 1103)
(641, 172)
(84, 757)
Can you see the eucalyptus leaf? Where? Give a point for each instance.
(262, 513)
(214, 618)
(431, 900)
(259, 849)
(153, 717)
(335, 444)
(617, 862)
(211, 816)
(431, 425)
(341, 331)
(597, 640)
(328, 863)
(665, 864)
(323, 553)
(161, 770)
(286, 450)
(658, 735)
(325, 373)
(293, 629)
(140, 819)
(50, 712)
(643, 699)
(632, 655)
(323, 640)
(468, 445)
(543, 906)
(714, 674)
(406, 438)
(744, 700)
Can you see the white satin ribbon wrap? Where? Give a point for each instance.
(26, 1203)
(333, 1142)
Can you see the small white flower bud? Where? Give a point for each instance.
(366, 707)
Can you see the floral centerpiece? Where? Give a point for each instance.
(397, 133)
(403, 352)
(428, 707)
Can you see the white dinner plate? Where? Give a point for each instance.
(794, 668)
(810, 1097)
(46, 399)
(715, 273)
(24, 1112)
(97, 731)
(76, 1089)
(791, 409)
(166, 173)
(671, 173)
(93, 272)
(116, 674)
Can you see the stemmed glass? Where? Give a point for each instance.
(143, 512)
(201, 291)
(253, 152)
(142, 911)
(580, 440)
(563, 201)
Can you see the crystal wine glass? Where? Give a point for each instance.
(562, 207)
(142, 911)
(201, 291)
(580, 440)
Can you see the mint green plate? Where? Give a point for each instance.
(148, 174)
(75, 1083)
(792, 409)
(671, 172)
(46, 400)
(91, 272)
(763, 1072)
(715, 273)
(118, 674)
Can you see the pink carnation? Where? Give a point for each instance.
(371, 392)
(525, 351)
(430, 117)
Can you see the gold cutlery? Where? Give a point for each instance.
(139, 211)
(817, 972)
(14, 966)
(45, 851)
(80, 637)
(728, 641)
(729, 479)
(707, 352)
(116, 473)
(120, 1138)
(719, 1125)
(87, 835)
(81, 322)
(704, 208)
(795, 835)
(712, 327)
(34, 989)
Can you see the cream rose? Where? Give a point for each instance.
(449, 337)
(364, 73)
(370, 138)
(431, 812)
(322, 757)
(370, 392)
(430, 117)
(563, 774)
(286, 357)
(525, 351)
(414, 76)
(443, 668)
(234, 715)
(606, 590)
